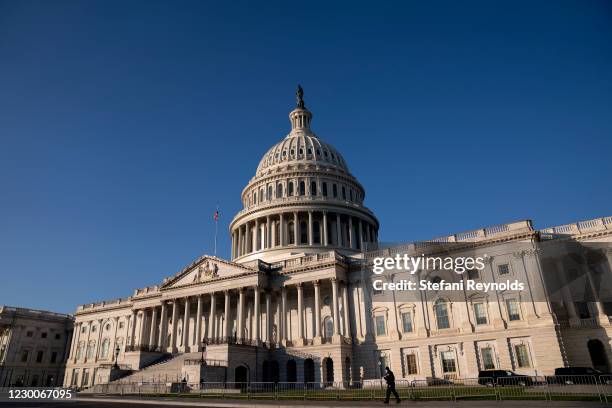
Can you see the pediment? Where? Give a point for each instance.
(206, 269)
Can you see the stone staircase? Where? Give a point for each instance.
(168, 370)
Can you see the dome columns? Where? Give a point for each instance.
(304, 229)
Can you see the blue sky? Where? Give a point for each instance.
(122, 124)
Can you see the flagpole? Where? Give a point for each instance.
(216, 229)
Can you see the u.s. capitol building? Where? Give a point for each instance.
(296, 302)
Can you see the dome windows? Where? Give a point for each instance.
(324, 189)
(290, 191)
(279, 190)
(302, 188)
(313, 188)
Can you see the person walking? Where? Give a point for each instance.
(390, 379)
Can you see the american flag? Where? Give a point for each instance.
(216, 215)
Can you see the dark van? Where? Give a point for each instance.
(502, 378)
(578, 375)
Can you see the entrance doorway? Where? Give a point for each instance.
(598, 355)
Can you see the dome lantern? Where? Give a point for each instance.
(300, 117)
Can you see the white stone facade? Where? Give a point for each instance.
(296, 302)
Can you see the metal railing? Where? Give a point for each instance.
(550, 388)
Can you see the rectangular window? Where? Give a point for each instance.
(411, 364)
(85, 381)
(487, 358)
(121, 325)
(29, 333)
(448, 362)
(24, 356)
(407, 322)
(75, 377)
(53, 357)
(522, 356)
(39, 356)
(380, 326)
(43, 335)
(480, 313)
(513, 310)
(473, 274)
(335, 190)
(503, 269)
(57, 336)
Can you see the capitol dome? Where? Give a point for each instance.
(303, 199)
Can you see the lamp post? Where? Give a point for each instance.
(117, 350)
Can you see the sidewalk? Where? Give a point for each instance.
(210, 403)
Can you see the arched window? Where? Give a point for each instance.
(328, 327)
(302, 188)
(291, 232)
(261, 194)
(269, 193)
(105, 347)
(290, 189)
(351, 195)
(316, 232)
(303, 232)
(335, 190)
(279, 190)
(313, 188)
(254, 197)
(343, 193)
(441, 309)
(324, 188)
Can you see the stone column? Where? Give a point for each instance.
(114, 344)
(248, 238)
(325, 243)
(338, 231)
(256, 245)
(345, 311)
(570, 306)
(239, 326)
(335, 312)
(300, 305)
(268, 317)
(153, 331)
(317, 307)
(143, 322)
(310, 234)
(351, 233)
(198, 324)
(75, 333)
(361, 240)
(256, 302)
(186, 325)
(281, 230)
(268, 234)
(296, 228)
(163, 327)
(211, 317)
(283, 317)
(174, 343)
(226, 322)
(133, 328)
